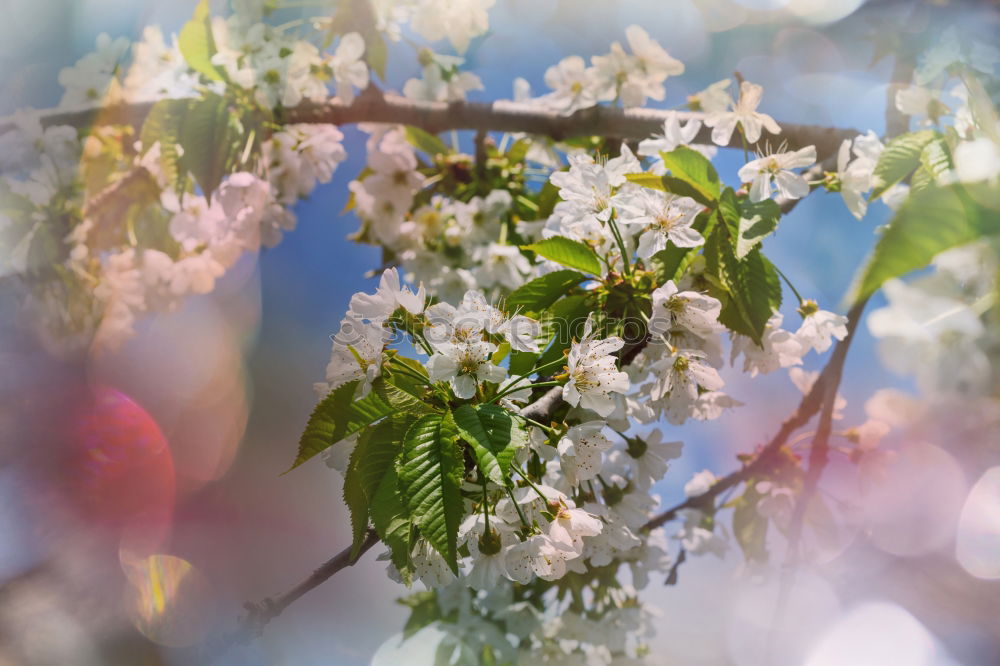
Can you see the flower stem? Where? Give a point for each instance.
(790, 285)
(406, 370)
(514, 389)
(535, 423)
(486, 508)
(520, 511)
(626, 266)
(554, 364)
(529, 482)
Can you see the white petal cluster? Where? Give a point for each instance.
(282, 70)
(933, 327)
(777, 168)
(95, 77)
(458, 21)
(594, 378)
(629, 77)
(855, 175)
(356, 355)
(778, 349)
(665, 219)
(743, 112)
(442, 82)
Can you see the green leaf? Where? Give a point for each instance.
(425, 141)
(424, 610)
(928, 222)
(757, 221)
(564, 320)
(494, 434)
(519, 150)
(163, 125)
(430, 476)
(754, 288)
(415, 390)
(900, 157)
(749, 527)
(376, 52)
(503, 349)
(391, 520)
(751, 283)
(354, 495)
(380, 448)
(548, 196)
(691, 175)
(210, 141)
(920, 180)
(540, 293)
(935, 158)
(325, 423)
(670, 264)
(197, 44)
(521, 363)
(567, 252)
(339, 415)
(650, 180)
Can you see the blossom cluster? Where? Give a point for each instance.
(538, 504)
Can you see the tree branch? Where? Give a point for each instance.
(373, 106)
(261, 613)
(542, 408)
(811, 403)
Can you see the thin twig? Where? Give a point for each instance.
(820, 448)
(261, 613)
(811, 403)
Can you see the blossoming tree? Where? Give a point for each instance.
(492, 405)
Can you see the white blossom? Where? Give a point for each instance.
(778, 349)
(92, 77)
(571, 524)
(648, 456)
(713, 99)
(538, 555)
(439, 85)
(502, 265)
(588, 188)
(674, 134)
(690, 310)
(778, 167)
(356, 354)
(573, 85)
(700, 483)
(458, 21)
(348, 65)
(667, 218)
(819, 327)
(855, 176)
(676, 382)
(977, 160)
(580, 451)
(593, 373)
(388, 296)
(464, 364)
(744, 113)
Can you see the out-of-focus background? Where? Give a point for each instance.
(141, 495)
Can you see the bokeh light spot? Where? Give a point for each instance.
(170, 602)
(977, 545)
